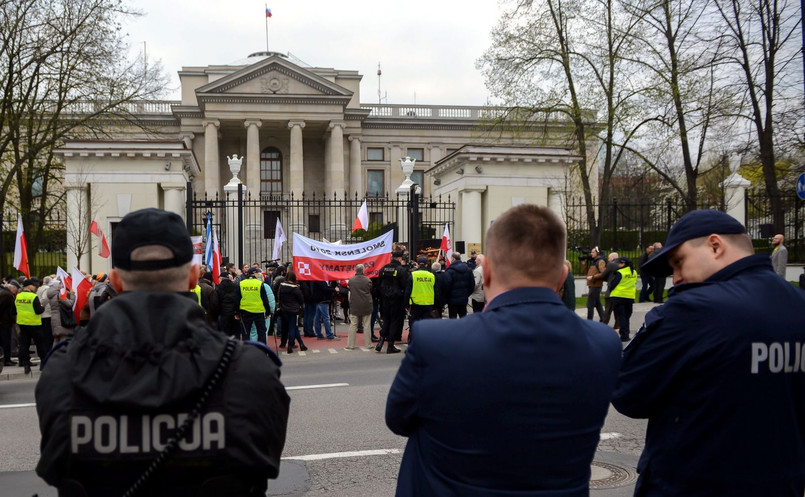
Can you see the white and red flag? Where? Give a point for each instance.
(216, 258)
(94, 229)
(81, 287)
(103, 247)
(319, 261)
(66, 282)
(446, 247)
(279, 239)
(21, 250)
(362, 221)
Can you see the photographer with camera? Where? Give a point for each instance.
(595, 283)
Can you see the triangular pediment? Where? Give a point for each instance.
(273, 76)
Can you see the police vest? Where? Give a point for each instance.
(25, 309)
(197, 291)
(422, 289)
(626, 286)
(250, 300)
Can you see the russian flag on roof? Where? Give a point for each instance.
(268, 12)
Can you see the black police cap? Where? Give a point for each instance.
(151, 227)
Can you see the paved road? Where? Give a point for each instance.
(337, 445)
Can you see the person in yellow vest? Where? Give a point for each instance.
(623, 285)
(29, 319)
(423, 283)
(254, 305)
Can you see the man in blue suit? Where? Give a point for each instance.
(511, 400)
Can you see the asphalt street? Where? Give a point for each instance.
(337, 444)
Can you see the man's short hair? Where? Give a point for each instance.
(529, 240)
(456, 256)
(436, 267)
(359, 269)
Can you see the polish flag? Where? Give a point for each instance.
(362, 221)
(446, 247)
(94, 229)
(21, 250)
(66, 282)
(103, 250)
(81, 287)
(318, 261)
(279, 239)
(216, 258)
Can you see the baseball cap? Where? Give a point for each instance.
(694, 224)
(100, 277)
(397, 254)
(253, 271)
(151, 227)
(28, 282)
(422, 259)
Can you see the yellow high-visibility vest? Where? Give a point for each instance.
(627, 284)
(422, 289)
(250, 300)
(197, 291)
(25, 309)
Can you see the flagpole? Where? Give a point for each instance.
(267, 28)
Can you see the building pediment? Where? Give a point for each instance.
(273, 78)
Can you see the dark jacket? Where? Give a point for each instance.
(715, 372)
(458, 283)
(320, 291)
(132, 366)
(559, 378)
(439, 298)
(8, 311)
(290, 298)
(226, 295)
(209, 300)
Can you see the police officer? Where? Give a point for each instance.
(29, 319)
(423, 283)
(393, 285)
(254, 304)
(622, 292)
(147, 363)
(718, 369)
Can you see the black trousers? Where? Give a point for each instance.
(594, 302)
(454, 311)
(477, 305)
(393, 314)
(5, 341)
(418, 312)
(259, 319)
(42, 342)
(608, 308)
(623, 311)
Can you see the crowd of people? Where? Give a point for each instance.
(164, 365)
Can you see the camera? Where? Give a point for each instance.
(585, 254)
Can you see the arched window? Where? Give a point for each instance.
(270, 171)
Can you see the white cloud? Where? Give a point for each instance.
(426, 48)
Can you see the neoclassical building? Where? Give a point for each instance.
(303, 131)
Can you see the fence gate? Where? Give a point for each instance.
(316, 217)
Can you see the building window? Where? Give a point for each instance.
(270, 171)
(375, 153)
(417, 153)
(314, 223)
(418, 177)
(376, 218)
(451, 150)
(270, 224)
(376, 183)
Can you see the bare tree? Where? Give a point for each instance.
(64, 73)
(765, 52)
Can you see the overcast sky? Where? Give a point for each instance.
(427, 48)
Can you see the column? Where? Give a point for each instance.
(471, 214)
(297, 180)
(355, 183)
(735, 195)
(336, 170)
(78, 218)
(253, 156)
(395, 173)
(174, 197)
(212, 168)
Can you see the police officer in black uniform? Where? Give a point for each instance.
(148, 369)
(393, 292)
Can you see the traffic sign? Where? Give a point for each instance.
(801, 186)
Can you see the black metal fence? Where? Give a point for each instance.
(317, 217)
(627, 227)
(51, 251)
